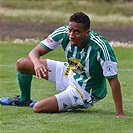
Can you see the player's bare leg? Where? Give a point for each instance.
(47, 105)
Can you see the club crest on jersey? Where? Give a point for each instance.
(109, 68)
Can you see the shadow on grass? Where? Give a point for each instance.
(90, 111)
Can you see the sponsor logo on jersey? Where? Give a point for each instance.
(75, 65)
(49, 40)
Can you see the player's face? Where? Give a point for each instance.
(77, 34)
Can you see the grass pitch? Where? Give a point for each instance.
(98, 119)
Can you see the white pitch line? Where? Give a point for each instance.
(7, 65)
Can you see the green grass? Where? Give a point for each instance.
(58, 11)
(98, 119)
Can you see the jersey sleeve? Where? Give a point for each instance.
(108, 61)
(55, 39)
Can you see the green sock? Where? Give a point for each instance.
(24, 81)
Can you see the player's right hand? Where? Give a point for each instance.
(41, 71)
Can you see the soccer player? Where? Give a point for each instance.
(82, 79)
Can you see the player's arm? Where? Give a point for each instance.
(36, 52)
(117, 96)
(39, 67)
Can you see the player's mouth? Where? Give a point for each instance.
(72, 41)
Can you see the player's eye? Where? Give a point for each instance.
(69, 30)
(77, 31)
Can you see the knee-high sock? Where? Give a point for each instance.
(24, 81)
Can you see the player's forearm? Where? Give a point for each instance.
(34, 56)
(117, 96)
(36, 53)
(118, 101)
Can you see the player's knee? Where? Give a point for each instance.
(36, 108)
(21, 64)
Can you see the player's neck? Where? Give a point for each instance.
(83, 43)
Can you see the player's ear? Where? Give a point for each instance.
(87, 32)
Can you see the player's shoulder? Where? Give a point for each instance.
(98, 40)
(96, 36)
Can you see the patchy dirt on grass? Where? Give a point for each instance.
(13, 30)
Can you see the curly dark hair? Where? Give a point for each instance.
(80, 17)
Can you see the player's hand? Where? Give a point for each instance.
(41, 70)
(123, 116)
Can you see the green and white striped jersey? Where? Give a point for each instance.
(91, 65)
